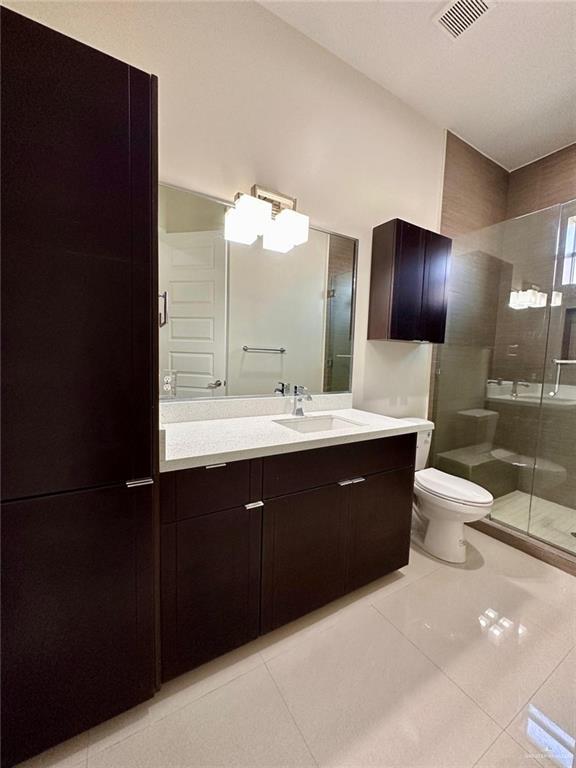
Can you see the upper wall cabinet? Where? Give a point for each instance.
(408, 283)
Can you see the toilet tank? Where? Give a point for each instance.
(423, 441)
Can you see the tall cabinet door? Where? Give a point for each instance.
(77, 264)
(78, 617)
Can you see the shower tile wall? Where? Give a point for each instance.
(486, 339)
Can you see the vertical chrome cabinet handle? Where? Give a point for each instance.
(163, 315)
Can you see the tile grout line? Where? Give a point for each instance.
(412, 643)
(291, 715)
(151, 723)
(514, 739)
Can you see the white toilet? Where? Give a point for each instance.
(442, 504)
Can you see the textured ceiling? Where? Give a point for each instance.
(507, 85)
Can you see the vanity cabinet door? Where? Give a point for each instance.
(379, 527)
(210, 585)
(303, 553)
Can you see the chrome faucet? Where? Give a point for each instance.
(515, 385)
(300, 394)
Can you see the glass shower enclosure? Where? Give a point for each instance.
(504, 396)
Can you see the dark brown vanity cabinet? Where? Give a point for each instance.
(319, 544)
(408, 296)
(79, 386)
(250, 545)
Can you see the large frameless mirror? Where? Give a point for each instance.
(235, 320)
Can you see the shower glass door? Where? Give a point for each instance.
(499, 421)
(553, 498)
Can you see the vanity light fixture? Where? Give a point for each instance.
(529, 298)
(269, 214)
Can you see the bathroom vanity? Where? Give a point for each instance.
(277, 524)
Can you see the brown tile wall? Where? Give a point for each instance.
(543, 183)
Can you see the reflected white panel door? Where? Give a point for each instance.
(192, 270)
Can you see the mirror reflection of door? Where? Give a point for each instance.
(192, 272)
(234, 320)
(339, 314)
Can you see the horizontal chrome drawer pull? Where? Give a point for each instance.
(358, 480)
(214, 466)
(345, 482)
(254, 505)
(142, 481)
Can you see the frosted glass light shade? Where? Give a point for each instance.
(297, 224)
(277, 237)
(256, 213)
(238, 228)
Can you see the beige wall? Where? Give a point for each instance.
(244, 98)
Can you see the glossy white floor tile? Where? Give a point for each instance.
(547, 724)
(487, 634)
(244, 723)
(364, 695)
(400, 674)
(507, 753)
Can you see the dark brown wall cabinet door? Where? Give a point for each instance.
(77, 264)
(408, 283)
(303, 553)
(210, 587)
(77, 609)
(380, 515)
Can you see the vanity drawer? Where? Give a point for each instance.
(293, 472)
(194, 492)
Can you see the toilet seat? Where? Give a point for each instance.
(451, 488)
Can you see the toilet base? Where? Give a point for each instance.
(445, 540)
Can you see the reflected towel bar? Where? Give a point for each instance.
(559, 364)
(272, 350)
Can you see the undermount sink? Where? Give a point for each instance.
(318, 423)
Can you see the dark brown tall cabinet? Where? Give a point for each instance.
(78, 386)
(408, 297)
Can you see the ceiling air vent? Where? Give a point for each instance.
(457, 17)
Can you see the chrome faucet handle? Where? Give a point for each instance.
(283, 388)
(301, 391)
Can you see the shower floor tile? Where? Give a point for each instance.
(548, 521)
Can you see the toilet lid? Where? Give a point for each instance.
(452, 488)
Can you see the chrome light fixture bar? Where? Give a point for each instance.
(269, 214)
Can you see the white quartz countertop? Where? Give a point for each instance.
(197, 443)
